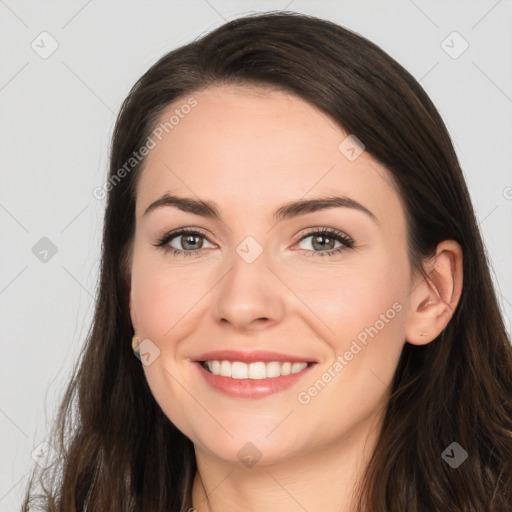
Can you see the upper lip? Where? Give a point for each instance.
(251, 356)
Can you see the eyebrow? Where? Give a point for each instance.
(292, 209)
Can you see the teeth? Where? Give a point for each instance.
(297, 367)
(273, 369)
(215, 367)
(225, 369)
(239, 370)
(258, 370)
(286, 369)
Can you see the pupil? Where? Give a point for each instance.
(323, 245)
(188, 238)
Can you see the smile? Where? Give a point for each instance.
(258, 370)
(253, 380)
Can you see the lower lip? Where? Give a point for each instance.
(251, 388)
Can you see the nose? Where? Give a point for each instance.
(250, 296)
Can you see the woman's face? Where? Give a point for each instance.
(267, 288)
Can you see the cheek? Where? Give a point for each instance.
(164, 295)
(371, 307)
(350, 299)
(364, 311)
(154, 297)
(165, 301)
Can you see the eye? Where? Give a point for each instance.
(326, 238)
(187, 242)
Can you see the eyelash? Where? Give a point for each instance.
(347, 241)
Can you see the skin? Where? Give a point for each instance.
(250, 150)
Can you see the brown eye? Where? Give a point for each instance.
(323, 242)
(183, 241)
(189, 241)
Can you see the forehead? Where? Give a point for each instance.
(243, 147)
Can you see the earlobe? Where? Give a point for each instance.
(434, 300)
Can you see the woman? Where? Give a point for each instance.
(269, 376)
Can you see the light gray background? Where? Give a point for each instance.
(56, 119)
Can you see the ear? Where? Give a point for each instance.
(132, 312)
(433, 301)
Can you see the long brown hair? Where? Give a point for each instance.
(119, 452)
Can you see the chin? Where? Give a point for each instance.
(250, 450)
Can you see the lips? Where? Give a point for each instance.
(253, 356)
(252, 386)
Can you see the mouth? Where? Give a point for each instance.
(257, 370)
(252, 380)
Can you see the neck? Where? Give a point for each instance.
(324, 479)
